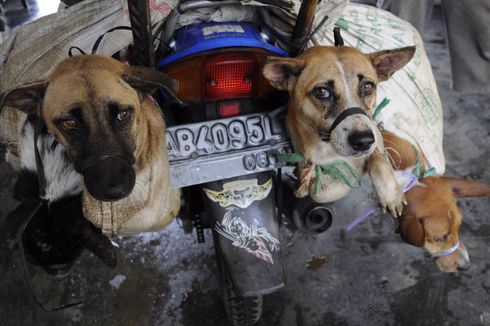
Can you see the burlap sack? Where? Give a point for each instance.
(151, 205)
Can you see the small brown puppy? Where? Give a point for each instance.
(432, 219)
(99, 110)
(332, 93)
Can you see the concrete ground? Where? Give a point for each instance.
(370, 277)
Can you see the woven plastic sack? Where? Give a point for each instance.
(415, 110)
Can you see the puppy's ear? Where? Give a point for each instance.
(387, 62)
(147, 80)
(468, 188)
(27, 98)
(282, 73)
(412, 230)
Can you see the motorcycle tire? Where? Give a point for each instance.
(241, 310)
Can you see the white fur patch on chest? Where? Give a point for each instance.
(61, 178)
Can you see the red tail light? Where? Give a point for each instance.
(230, 76)
(227, 110)
(221, 75)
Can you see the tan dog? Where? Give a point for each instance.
(332, 92)
(112, 131)
(432, 219)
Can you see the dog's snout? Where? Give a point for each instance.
(361, 141)
(112, 178)
(464, 262)
(464, 267)
(117, 192)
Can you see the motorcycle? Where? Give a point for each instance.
(223, 143)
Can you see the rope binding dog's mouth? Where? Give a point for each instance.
(325, 135)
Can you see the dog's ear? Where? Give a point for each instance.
(282, 73)
(468, 188)
(147, 80)
(387, 62)
(412, 230)
(27, 98)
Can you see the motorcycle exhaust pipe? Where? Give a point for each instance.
(312, 217)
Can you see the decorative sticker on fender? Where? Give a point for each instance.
(240, 193)
(255, 239)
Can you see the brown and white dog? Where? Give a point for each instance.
(332, 91)
(99, 110)
(432, 219)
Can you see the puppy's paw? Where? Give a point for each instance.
(393, 202)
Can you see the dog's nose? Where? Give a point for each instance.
(110, 179)
(117, 192)
(464, 266)
(361, 141)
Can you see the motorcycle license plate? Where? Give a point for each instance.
(220, 149)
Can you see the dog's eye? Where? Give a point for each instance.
(367, 88)
(69, 124)
(123, 115)
(440, 239)
(321, 93)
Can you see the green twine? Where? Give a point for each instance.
(380, 107)
(336, 169)
(429, 172)
(290, 157)
(416, 170)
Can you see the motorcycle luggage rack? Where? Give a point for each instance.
(198, 4)
(295, 41)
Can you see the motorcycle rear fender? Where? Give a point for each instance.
(246, 231)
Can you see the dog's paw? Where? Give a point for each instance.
(393, 202)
